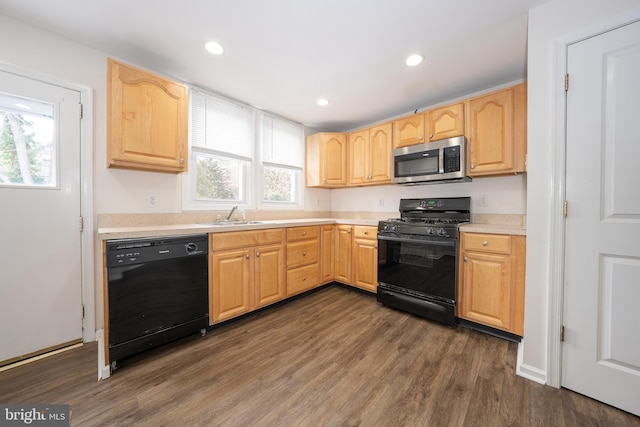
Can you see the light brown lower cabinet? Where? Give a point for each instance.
(344, 244)
(303, 256)
(365, 258)
(246, 272)
(357, 256)
(491, 282)
(327, 253)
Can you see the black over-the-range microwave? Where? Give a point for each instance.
(431, 162)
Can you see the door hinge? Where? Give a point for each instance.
(80, 110)
(566, 82)
(565, 208)
(562, 333)
(83, 311)
(81, 224)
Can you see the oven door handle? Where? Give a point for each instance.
(451, 243)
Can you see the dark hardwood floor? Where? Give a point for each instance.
(332, 358)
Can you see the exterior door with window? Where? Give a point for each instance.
(40, 254)
(601, 349)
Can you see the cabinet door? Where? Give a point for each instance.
(343, 253)
(147, 119)
(365, 264)
(446, 122)
(497, 132)
(269, 276)
(229, 282)
(359, 160)
(333, 159)
(380, 143)
(486, 289)
(327, 253)
(408, 131)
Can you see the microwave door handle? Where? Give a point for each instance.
(441, 160)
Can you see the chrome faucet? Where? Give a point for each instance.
(233, 209)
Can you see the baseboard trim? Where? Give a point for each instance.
(529, 372)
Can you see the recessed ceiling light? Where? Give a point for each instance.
(413, 60)
(322, 102)
(214, 48)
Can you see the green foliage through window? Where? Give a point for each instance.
(25, 159)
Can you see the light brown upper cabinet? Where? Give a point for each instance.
(147, 120)
(370, 155)
(445, 122)
(408, 130)
(326, 163)
(497, 132)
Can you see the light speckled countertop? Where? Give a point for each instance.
(519, 230)
(110, 233)
(480, 223)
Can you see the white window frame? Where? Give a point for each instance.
(253, 173)
(298, 203)
(189, 202)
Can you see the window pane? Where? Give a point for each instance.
(219, 179)
(280, 184)
(27, 143)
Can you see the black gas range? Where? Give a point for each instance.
(417, 268)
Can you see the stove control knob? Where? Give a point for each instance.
(430, 230)
(441, 232)
(394, 228)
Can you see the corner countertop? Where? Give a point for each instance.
(110, 233)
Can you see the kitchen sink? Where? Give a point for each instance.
(230, 222)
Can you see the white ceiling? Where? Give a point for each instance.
(282, 55)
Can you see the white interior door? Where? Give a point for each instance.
(601, 350)
(40, 254)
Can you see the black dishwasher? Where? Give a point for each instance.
(157, 292)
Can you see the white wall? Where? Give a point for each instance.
(549, 24)
(506, 195)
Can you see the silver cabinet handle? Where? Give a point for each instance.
(304, 279)
(485, 243)
(304, 233)
(466, 259)
(247, 256)
(304, 254)
(472, 166)
(366, 232)
(257, 254)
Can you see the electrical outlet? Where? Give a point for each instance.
(152, 200)
(317, 201)
(380, 203)
(484, 200)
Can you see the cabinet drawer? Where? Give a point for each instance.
(487, 242)
(302, 253)
(302, 233)
(243, 239)
(365, 232)
(302, 279)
